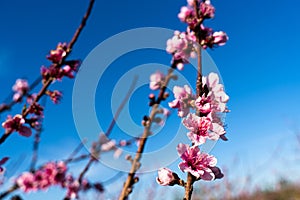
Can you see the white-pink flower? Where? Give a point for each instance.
(166, 177)
(218, 97)
(16, 123)
(183, 98)
(220, 38)
(156, 80)
(20, 88)
(26, 182)
(181, 46)
(198, 127)
(201, 165)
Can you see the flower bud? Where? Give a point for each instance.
(166, 177)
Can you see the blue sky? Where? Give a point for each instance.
(259, 66)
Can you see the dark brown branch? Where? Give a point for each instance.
(9, 191)
(199, 72)
(85, 170)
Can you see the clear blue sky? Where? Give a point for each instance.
(259, 66)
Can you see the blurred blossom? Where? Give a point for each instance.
(21, 87)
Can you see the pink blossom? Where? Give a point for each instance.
(218, 97)
(72, 189)
(55, 172)
(57, 55)
(55, 96)
(109, 145)
(21, 86)
(190, 2)
(216, 131)
(183, 98)
(37, 109)
(156, 80)
(16, 124)
(166, 177)
(17, 97)
(198, 127)
(67, 70)
(181, 46)
(201, 165)
(123, 143)
(26, 182)
(42, 180)
(220, 38)
(207, 10)
(209, 38)
(187, 15)
(204, 105)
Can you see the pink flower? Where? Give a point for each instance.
(17, 97)
(207, 10)
(166, 177)
(199, 128)
(181, 46)
(42, 180)
(190, 2)
(218, 97)
(57, 55)
(72, 189)
(220, 38)
(26, 182)
(68, 70)
(187, 15)
(16, 124)
(204, 105)
(156, 80)
(201, 165)
(37, 109)
(21, 86)
(183, 98)
(216, 131)
(209, 38)
(55, 96)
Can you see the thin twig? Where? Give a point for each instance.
(107, 133)
(77, 149)
(125, 100)
(131, 179)
(36, 143)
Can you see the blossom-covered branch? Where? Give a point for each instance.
(60, 67)
(209, 101)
